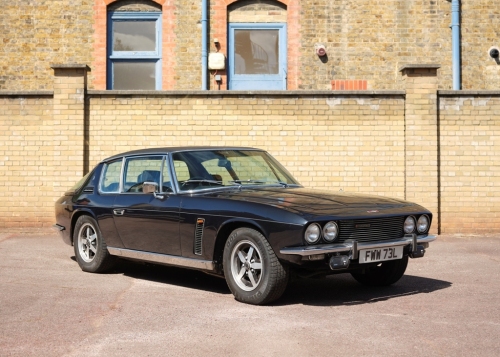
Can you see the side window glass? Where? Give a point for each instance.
(139, 170)
(110, 181)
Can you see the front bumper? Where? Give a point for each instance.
(353, 247)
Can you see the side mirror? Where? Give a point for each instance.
(224, 163)
(149, 187)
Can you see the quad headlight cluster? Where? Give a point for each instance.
(329, 232)
(421, 225)
(314, 232)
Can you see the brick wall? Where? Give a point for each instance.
(438, 150)
(333, 142)
(470, 162)
(365, 40)
(27, 181)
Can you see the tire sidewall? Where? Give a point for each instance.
(260, 293)
(101, 253)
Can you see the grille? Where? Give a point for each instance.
(198, 236)
(370, 230)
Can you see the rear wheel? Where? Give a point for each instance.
(90, 249)
(253, 272)
(384, 274)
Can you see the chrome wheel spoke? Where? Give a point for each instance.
(241, 256)
(93, 249)
(256, 265)
(252, 279)
(250, 253)
(241, 273)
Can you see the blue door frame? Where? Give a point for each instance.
(258, 81)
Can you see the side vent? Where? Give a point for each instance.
(198, 236)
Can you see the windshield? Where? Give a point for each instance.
(219, 168)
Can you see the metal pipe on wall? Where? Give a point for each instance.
(204, 44)
(455, 46)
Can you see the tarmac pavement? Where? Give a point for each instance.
(447, 304)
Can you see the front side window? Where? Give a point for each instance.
(134, 50)
(139, 170)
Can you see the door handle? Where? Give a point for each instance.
(119, 212)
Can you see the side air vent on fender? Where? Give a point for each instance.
(198, 236)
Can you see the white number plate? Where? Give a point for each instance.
(380, 254)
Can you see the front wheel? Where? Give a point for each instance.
(384, 274)
(90, 249)
(253, 272)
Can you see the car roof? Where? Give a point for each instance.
(167, 150)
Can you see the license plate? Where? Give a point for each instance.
(380, 254)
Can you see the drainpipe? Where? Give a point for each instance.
(455, 46)
(204, 40)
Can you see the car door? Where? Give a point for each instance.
(147, 221)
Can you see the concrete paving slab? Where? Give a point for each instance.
(448, 303)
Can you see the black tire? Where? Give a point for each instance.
(252, 271)
(387, 273)
(90, 249)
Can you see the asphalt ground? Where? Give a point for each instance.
(447, 304)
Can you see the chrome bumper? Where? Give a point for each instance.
(353, 247)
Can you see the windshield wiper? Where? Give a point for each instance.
(202, 181)
(240, 182)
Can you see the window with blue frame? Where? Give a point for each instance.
(257, 56)
(134, 50)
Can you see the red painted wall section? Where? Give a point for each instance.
(98, 65)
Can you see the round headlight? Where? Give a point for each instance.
(313, 233)
(409, 225)
(330, 231)
(423, 224)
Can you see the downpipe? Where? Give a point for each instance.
(455, 45)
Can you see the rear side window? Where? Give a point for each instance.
(110, 180)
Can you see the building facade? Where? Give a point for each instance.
(365, 42)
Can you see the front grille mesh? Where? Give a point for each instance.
(370, 230)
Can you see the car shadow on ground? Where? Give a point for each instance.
(334, 290)
(342, 290)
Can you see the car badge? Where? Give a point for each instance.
(373, 211)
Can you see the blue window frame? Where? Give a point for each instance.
(257, 56)
(134, 50)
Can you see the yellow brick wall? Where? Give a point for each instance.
(26, 162)
(470, 164)
(355, 144)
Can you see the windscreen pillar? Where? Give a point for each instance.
(70, 82)
(421, 137)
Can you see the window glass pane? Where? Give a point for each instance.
(134, 75)
(256, 51)
(111, 177)
(134, 36)
(140, 170)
